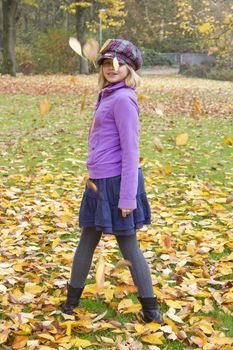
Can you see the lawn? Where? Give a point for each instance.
(189, 246)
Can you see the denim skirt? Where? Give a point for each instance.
(99, 207)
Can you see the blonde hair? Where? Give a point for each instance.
(133, 79)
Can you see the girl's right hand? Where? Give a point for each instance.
(126, 212)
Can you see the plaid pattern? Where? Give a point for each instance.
(124, 50)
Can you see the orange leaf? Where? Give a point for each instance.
(167, 241)
(19, 342)
(45, 107)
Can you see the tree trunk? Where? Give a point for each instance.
(9, 9)
(1, 28)
(81, 30)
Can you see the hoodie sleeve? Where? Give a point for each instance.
(126, 114)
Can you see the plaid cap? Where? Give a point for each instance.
(124, 50)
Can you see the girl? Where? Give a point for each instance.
(118, 204)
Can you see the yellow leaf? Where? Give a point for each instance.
(141, 98)
(182, 139)
(152, 339)
(171, 324)
(46, 336)
(133, 308)
(26, 328)
(228, 140)
(109, 293)
(100, 272)
(19, 342)
(196, 105)
(221, 340)
(205, 27)
(191, 248)
(107, 340)
(80, 342)
(45, 107)
(55, 242)
(139, 328)
(207, 328)
(124, 304)
(167, 170)
(33, 288)
(69, 329)
(4, 336)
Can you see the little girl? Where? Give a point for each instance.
(116, 203)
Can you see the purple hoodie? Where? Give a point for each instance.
(113, 141)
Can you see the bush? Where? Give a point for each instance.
(220, 74)
(153, 58)
(196, 70)
(53, 54)
(24, 60)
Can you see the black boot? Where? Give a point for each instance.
(72, 301)
(151, 310)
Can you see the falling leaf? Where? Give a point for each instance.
(83, 102)
(100, 272)
(158, 144)
(115, 64)
(182, 139)
(76, 46)
(45, 107)
(90, 50)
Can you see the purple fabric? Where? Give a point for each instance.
(124, 50)
(113, 142)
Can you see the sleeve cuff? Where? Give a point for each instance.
(127, 204)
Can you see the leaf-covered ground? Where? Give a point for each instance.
(186, 156)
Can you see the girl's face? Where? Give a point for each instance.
(111, 75)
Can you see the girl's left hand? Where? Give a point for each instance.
(126, 212)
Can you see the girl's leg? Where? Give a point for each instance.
(139, 268)
(83, 256)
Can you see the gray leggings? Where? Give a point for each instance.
(130, 250)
